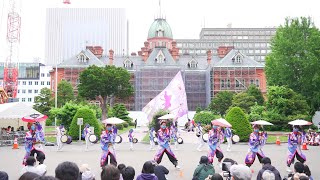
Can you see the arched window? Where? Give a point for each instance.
(238, 59)
(160, 33)
(160, 59)
(193, 64)
(82, 58)
(127, 63)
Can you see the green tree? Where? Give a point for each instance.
(256, 112)
(205, 117)
(198, 109)
(105, 83)
(43, 102)
(66, 113)
(155, 121)
(65, 93)
(120, 111)
(255, 92)
(294, 59)
(89, 117)
(285, 101)
(244, 101)
(240, 124)
(221, 102)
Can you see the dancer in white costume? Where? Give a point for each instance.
(60, 131)
(199, 133)
(87, 133)
(228, 135)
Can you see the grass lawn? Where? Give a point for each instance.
(125, 129)
(272, 138)
(49, 129)
(50, 138)
(146, 138)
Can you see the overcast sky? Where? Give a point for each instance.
(186, 17)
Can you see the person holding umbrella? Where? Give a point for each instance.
(256, 141)
(33, 142)
(215, 138)
(295, 140)
(86, 133)
(164, 144)
(107, 142)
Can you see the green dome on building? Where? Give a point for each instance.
(160, 28)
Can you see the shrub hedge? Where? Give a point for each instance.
(204, 117)
(89, 117)
(240, 123)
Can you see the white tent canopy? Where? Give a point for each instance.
(12, 113)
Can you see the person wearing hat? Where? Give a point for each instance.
(256, 141)
(199, 133)
(60, 131)
(240, 172)
(295, 140)
(107, 141)
(130, 136)
(215, 138)
(86, 133)
(164, 145)
(151, 137)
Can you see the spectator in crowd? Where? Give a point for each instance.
(121, 167)
(29, 176)
(268, 175)
(46, 178)
(30, 166)
(4, 175)
(110, 172)
(298, 167)
(307, 171)
(160, 171)
(86, 173)
(41, 169)
(147, 172)
(240, 172)
(216, 176)
(128, 173)
(204, 169)
(67, 171)
(266, 165)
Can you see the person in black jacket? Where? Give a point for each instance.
(161, 172)
(266, 165)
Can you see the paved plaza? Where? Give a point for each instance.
(188, 156)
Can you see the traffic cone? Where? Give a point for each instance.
(278, 141)
(15, 144)
(304, 146)
(181, 174)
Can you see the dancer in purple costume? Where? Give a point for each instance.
(256, 141)
(107, 146)
(295, 140)
(130, 136)
(215, 138)
(33, 142)
(174, 135)
(164, 144)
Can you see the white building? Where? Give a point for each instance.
(70, 30)
(32, 77)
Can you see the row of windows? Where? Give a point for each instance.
(35, 83)
(236, 44)
(23, 91)
(226, 83)
(24, 99)
(239, 32)
(43, 74)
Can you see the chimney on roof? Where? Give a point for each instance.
(224, 50)
(174, 51)
(96, 50)
(133, 54)
(209, 57)
(111, 57)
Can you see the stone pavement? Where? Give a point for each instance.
(188, 156)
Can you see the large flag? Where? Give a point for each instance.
(173, 99)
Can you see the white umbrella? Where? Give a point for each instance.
(223, 121)
(300, 122)
(261, 122)
(168, 116)
(113, 120)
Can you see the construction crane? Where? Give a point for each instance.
(10, 78)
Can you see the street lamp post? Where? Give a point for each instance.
(55, 93)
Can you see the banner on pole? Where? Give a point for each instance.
(173, 99)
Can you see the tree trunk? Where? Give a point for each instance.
(103, 101)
